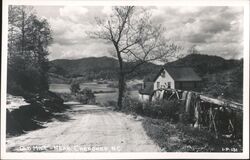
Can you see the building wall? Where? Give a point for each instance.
(163, 81)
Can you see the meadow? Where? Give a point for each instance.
(101, 96)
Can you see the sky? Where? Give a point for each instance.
(213, 30)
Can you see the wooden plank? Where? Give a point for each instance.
(225, 103)
(220, 102)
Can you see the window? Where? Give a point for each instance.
(169, 84)
(158, 85)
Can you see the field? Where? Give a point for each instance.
(65, 88)
(100, 97)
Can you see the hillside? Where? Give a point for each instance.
(96, 68)
(205, 64)
(219, 75)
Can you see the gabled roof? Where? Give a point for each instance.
(177, 73)
(182, 74)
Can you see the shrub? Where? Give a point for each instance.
(110, 103)
(67, 97)
(162, 109)
(131, 105)
(86, 96)
(15, 89)
(159, 109)
(112, 85)
(75, 87)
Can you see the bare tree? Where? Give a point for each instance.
(19, 19)
(193, 50)
(135, 39)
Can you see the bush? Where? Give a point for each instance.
(112, 85)
(67, 96)
(110, 103)
(75, 88)
(86, 96)
(160, 109)
(15, 89)
(132, 106)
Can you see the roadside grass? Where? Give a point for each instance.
(178, 137)
(163, 125)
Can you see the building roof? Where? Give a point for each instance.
(182, 74)
(177, 73)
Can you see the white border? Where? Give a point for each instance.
(144, 155)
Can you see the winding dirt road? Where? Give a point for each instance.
(86, 128)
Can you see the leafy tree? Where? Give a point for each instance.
(28, 40)
(135, 38)
(75, 88)
(86, 96)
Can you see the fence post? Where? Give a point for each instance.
(197, 112)
(212, 123)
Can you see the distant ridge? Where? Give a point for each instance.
(219, 75)
(95, 68)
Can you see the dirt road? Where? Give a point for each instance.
(86, 128)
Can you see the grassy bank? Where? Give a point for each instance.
(181, 138)
(174, 133)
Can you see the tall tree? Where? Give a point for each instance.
(135, 37)
(38, 39)
(28, 40)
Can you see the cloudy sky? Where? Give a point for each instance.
(213, 30)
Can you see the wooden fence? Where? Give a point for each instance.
(220, 116)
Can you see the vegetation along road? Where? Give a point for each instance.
(86, 128)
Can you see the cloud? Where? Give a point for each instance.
(67, 33)
(107, 10)
(214, 30)
(75, 51)
(73, 13)
(215, 26)
(226, 50)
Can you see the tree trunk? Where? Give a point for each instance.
(121, 82)
(121, 90)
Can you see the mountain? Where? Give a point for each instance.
(84, 66)
(96, 68)
(219, 75)
(206, 64)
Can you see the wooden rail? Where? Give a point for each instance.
(200, 110)
(221, 102)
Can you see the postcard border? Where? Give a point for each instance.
(144, 155)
